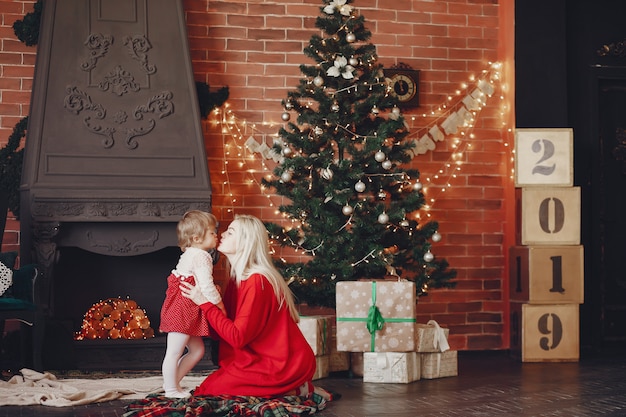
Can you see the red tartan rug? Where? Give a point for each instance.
(225, 405)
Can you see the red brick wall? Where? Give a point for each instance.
(17, 64)
(255, 48)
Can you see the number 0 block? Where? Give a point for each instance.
(544, 157)
(548, 216)
(547, 274)
(545, 333)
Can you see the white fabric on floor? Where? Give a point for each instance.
(36, 388)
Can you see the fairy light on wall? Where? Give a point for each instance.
(236, 129)
(452, 121)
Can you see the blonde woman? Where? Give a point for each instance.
(262, 351)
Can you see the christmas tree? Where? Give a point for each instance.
(353, 204)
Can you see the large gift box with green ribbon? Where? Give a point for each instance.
(376, 316)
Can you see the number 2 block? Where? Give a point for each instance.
(544, 157)
(548, 215)
(545, 333)
(546, 274)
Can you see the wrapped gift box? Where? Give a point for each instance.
(339, 361)
(356, 363)
(316, 331)
(439, 365)
(391, 367)
(431, 337)
(393, 329)
(322, 368)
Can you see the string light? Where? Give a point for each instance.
(467, 103)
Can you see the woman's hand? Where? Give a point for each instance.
(192, 292)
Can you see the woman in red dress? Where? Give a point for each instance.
(262, 351)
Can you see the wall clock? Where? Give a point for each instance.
(404, 85)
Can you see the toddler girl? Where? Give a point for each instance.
(181, 319)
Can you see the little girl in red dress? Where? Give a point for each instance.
(181, 319)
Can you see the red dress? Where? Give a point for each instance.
(180, 314)
(262, 351)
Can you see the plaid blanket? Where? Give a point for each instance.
(225, 405)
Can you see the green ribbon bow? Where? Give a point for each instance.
(375, 320)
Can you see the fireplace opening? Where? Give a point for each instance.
(83, 278)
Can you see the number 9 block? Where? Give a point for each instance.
(545, 333)
(548, 215)
(544, 157)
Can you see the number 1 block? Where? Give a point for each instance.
(546, 274)
(545, 333)
(548, 216)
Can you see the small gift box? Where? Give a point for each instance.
(391, 367)
(322, 368)
(339, 361)
(431, 337)
(439, 365)
(376, 316)
(356, 363)
(316, 331)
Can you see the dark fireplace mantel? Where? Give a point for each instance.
(115, 152)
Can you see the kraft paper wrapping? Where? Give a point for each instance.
(339, 361)
(316, 331)
(356, 363)
(439, 365)
(322, 368)
(391, 367)
(376, 316)
(431, 337)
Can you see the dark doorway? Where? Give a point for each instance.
(609, 209)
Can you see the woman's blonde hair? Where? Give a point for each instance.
(252, 255)
(194, 223)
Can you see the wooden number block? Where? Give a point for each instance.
(546, 274)
(544, 157)
(545, 333)
(548, 216)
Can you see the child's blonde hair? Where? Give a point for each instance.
(194, 223)
(253, 256)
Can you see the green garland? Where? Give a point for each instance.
(27, 30)
(11, 157)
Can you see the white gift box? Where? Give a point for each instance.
(391, 367)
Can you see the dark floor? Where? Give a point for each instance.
(488, 384)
